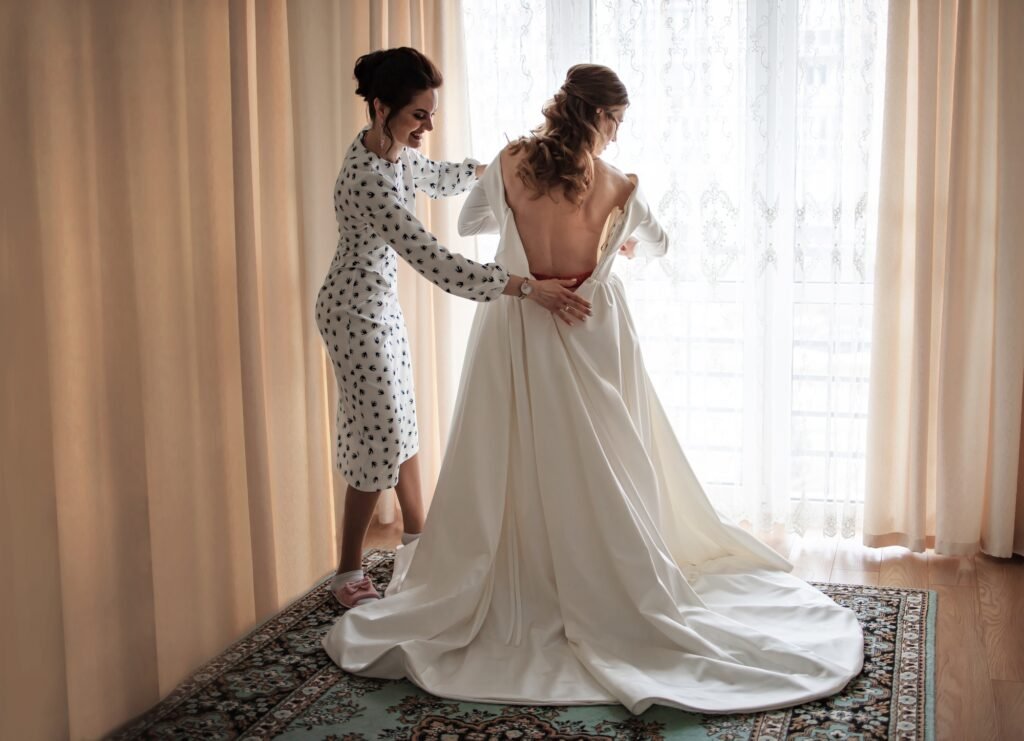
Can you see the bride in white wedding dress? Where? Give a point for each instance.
(570, 555)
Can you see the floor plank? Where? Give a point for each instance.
(951, 570)
(812, 557)
(1009, 709)
(964, 702)
(778, 539)
(903, 568)
(383, 536)
(1001, 600)
(852, 576)
(852, 555)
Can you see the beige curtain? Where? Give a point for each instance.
(944, 438)
(165, 459)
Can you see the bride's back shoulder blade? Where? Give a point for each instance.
(622, 184)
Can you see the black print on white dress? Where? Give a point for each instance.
(357, 308)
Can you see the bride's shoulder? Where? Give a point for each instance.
(509, 157)
(619, 182)
(514, 151)
(614, 174)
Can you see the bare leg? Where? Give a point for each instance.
(410, 497)
(359, 506)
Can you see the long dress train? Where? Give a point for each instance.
(571, 556)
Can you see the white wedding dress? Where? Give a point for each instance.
(571, 556)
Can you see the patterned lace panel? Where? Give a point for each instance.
(755, 126)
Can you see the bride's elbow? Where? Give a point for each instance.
(662, 247)
(655, 247)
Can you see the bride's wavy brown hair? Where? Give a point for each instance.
(560, 152)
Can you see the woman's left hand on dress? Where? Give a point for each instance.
(554, 295)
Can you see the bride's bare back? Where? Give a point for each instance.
(560, 238)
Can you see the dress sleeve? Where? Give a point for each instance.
(477, 216)
(652, 239)
(442, 179)
(399, 227)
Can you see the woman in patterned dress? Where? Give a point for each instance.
(357, 309)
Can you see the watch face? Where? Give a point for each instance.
(526, 288)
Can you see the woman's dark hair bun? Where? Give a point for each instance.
(366, 67)
(394, 76)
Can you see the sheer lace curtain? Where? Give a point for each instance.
(755, 129)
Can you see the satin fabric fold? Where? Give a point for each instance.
(571, 555)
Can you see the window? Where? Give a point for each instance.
(755, 128)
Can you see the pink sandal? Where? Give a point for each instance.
(354, 593)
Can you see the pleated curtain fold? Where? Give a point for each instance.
(945, 447)
(167, 219)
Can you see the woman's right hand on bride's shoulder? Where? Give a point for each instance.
(554, 295)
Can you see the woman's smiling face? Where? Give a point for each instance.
(412, 122)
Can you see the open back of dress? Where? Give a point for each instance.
(570, 555)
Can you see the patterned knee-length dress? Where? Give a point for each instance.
(357, 308)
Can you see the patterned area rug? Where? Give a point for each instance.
(277, 682)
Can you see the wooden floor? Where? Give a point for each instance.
(979, 651)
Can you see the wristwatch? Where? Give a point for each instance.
(525, 288)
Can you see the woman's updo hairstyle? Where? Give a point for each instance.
(560, 153)
(394, 76)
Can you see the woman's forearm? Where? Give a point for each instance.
(513, 285)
